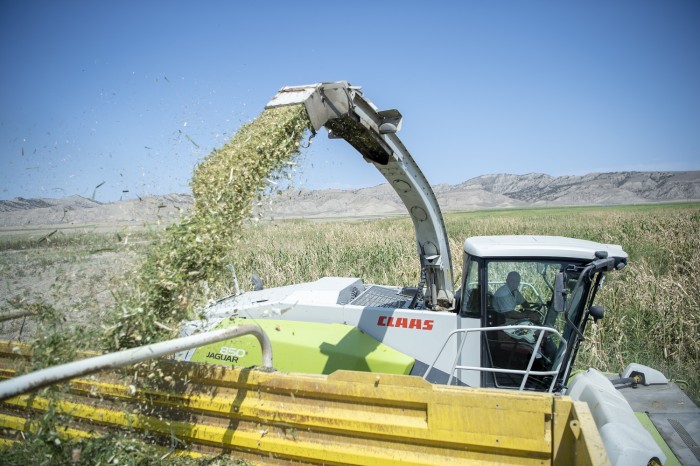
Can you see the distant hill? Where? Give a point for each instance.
(499, 191)
(594, 188)
(483, 192)
(77, 210)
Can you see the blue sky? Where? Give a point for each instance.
(135, 93)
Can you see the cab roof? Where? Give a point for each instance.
(539, 246)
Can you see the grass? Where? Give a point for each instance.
(47, 449)
(652, 312)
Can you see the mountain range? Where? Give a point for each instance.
(498, 191)
(483, 192)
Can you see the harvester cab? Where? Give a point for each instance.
(533, 297)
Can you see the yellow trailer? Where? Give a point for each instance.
(347, 417)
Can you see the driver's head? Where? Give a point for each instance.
(513, 281)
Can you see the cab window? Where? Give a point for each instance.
(471, 291)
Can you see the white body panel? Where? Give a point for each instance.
(539, 246)
(416, 333)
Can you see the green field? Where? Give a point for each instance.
(652, 312)
(93, 285)
(652, 306)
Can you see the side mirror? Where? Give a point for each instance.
(597, 312)
(559, 292)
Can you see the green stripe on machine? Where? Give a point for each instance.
(308, 347)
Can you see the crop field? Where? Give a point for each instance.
(652, 313)
(85, 282)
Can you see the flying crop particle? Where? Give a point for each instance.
(193, 254)
(191, 140)
(94, 191)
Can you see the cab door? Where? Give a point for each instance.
(471, 315)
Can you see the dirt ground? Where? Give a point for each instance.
(77, 275)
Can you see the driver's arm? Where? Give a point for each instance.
(525, 314)
(504, 301)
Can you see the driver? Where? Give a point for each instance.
(508, 297)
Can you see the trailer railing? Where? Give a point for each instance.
(63, 372)
(540, 333)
